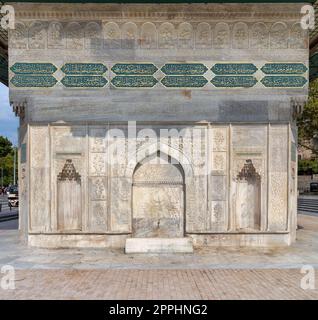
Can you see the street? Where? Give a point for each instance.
(8, 218)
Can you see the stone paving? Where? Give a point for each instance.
(159, 284)
(209, 273)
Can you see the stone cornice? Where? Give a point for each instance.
(157, 12)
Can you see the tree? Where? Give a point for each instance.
(308, 121)
(5, 146)
(6, 161)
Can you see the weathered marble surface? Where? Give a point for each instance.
(196, 67)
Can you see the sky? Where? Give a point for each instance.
(8, 121)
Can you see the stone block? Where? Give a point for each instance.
(159, 245)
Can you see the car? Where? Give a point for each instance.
(13, 196)
(314, 187)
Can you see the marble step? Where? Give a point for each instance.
(159, 245)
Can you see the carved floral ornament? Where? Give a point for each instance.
(163, 35)
(68, 172)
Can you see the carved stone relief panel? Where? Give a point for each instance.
(278, 36)
(219, 162)
(112, 36)
(98, 216)
(117, 156)
(74, 36)
(37, 36)
(129, 35)
(240, 36)
(18, 37)
(259, 36)
(219, 139)
(39, 179)
(278, 137)
(97, 164)
(98, 188)
(203, 35)
(249, 137)
(93, 36)
(218, 216)
(278, 199)
(185, 35)
(149, 36)
(218, 179)
(120, 204)
(68, 139)
(167, 36)
(98, 197)
(97, 140)
(218, 188)
(298, 38)
(56, 36)
(221, 38)
(278, 176)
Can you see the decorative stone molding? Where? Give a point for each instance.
(195, 35)
(248, 172)
(157, 11)
(297, 106)
(19, 108)
(69, 172)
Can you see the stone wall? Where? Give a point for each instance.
(235, 183)
(232, 75)
(220, 63)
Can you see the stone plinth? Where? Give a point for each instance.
(159, 245)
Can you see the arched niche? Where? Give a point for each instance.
(158, 197)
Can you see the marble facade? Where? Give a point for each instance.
(158, 121)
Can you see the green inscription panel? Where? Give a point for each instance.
(184, 69)
(234, 81)
(84, 81)
(293, 151)
(284, 68)
(233, 68)
(29, 81)
(134, 69)
(23, 153)
(284, 81)
(84, 68)
(134, 81)
(33, 68)
(184, 81)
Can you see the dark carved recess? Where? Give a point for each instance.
(248, 172)
(69, 172)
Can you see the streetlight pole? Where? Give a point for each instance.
(14, 165)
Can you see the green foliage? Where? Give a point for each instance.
(308, 121)
(307, 167)
(5, 146)
(6, 161)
